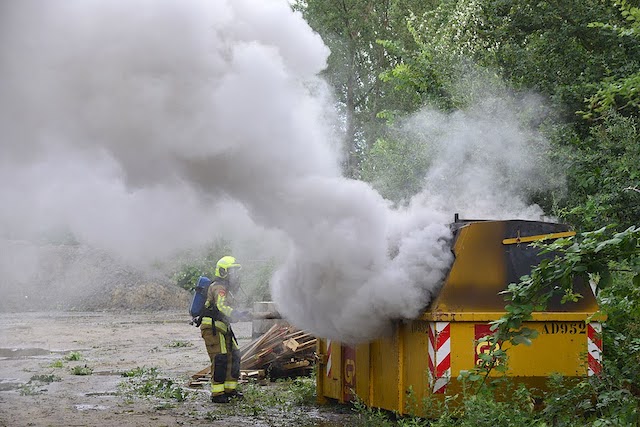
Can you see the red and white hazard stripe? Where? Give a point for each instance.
(594, 348)
(439, 355)
(328, 358)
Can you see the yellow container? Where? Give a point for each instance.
(424, 356)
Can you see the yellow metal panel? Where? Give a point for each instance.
(416, 363)
(402, 339)
(320, 351)
(478, 273)
(362, 373)
(527, 239)
(332, 384)
(384, 372)
(462, 348)
(561, 347)
(490, 316)
(387, 368)
(482, 269)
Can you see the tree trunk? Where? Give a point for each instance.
(351, 159)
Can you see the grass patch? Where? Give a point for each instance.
(283, 403)
(303, 390)
(81, 370)
(36, 384)
(57, 364)
(47, 379)
(73, 356)
(178, 344)
(564, 404)
(29, 389)
(140, 372)
(143, 382)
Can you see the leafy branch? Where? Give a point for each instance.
(618, 93)
(636, 189)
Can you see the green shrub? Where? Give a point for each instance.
(147, 383)
(29, 389)
(303, 390)
(73, 356)
(57, 364)
(81, 370)
(255, 275)
(45, 378)
(204, 265)
(175, 344)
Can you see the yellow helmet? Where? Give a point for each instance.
(224, 264)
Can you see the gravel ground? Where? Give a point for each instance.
(35, 348)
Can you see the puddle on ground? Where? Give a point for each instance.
(102, 393)
(16, 353)
(7, 384)
(109, 373)
(87, 407)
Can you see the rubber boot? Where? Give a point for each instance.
(235, 395)
(221, 398)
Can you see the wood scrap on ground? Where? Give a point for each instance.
(282, 351)
(200, 378)
(203, 377)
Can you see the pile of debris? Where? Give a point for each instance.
(282, 351)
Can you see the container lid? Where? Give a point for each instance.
(489, 255)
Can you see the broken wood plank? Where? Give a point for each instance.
(205, 371)
(291, 344)
(296, 365)
(253, 374)
(259, 341)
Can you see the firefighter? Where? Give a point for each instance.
(216, 331)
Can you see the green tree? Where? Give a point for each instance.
(552, 48)
(545, 46)
(350, 28)
(203, 264)
(621, 91)
(396, 167)
(603, 174)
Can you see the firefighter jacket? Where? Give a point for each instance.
(219, 303)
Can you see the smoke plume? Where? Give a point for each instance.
(146, 127)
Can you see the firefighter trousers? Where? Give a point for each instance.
(224, 355)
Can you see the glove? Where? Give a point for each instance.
(196, 321)
(240, 316)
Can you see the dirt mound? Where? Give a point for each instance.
(78, 278)
(140, 297)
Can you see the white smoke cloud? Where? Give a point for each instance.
(485, 161)
(145, 127)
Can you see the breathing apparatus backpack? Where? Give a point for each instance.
(199, 297)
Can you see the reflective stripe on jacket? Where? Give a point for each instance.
(220, 325)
